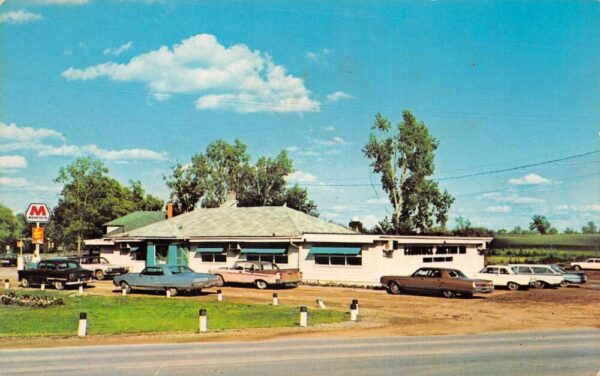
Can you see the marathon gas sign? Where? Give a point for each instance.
(37, 213)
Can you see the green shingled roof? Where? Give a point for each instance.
(135, 220)
(237, 222)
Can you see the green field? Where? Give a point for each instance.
(583, 242)
(119, 314)
(537, 255)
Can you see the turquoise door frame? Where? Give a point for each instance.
(150, 254)
(172, 254)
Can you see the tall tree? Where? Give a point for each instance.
(226, 167)
(540, 224)
(143, 201)
(590, 228)
(9, 228)
(403, 155)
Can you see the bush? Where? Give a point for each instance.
(32, 301)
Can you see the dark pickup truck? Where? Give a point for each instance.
(57, 272)
(449, 282)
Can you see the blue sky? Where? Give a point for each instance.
(144, 84)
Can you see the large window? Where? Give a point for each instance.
(211, 253)
(214, 257)
(342, 260)
(270, 257)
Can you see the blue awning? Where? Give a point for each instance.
(210, 250)
(262, 251)
(334, 251)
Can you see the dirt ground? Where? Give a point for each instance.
(384, 314)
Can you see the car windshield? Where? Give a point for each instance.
(558, 268)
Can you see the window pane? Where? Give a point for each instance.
(337, 260)
(321, 260)
(281, 259)
(206, 257)
(250, 257)
(220, 257)
(354, 260)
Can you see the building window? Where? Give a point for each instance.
(418, 250)
(214, 257)
(342, 260)
(270, 257)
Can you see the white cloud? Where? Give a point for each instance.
(336, 140)
(19, 17)
(12, 132)
(369, 220)
(312, 56)
(378, 201)
(109, 155)
(578, 208)
(161, 97)
(116, 51)
(301, 177)
(498, 209)
(330, 128)
(12, 162)
(529, 179)
(511, 198)
(234, 78)
(336, 96)
(12, 182)
(292, 149)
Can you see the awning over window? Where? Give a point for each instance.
(274, 251)
(334, 251)
(209, 250)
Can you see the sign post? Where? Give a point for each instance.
(37, 213)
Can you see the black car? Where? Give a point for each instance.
(58, 272)
(8, 259)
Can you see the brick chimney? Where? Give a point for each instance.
(169, 210)
(355, 225)
(230, 200)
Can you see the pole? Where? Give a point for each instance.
(37, 245)
(202, 320)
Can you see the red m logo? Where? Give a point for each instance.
(38, 210)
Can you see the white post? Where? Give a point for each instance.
(202, 321)
(82, 330)
(355, 301)
(124, 291)
(81, 289)
(353, 312)
(303, 316)
(20, 262)
(7, 284)
(168, 293)
(321, 303)
(43, 286)
(275, 299)
(219, 296)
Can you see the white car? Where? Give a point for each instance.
(591, 263)
(544, 274)
(101, 267)
(502, 275)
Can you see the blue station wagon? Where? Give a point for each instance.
(174, 278)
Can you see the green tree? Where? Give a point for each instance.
(143, 201)
(9, 228)
(553, 231)
(570, 231)
(403, 155)
(226, 167)
(590, 228)
(540, 224)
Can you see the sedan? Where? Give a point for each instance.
(171, 278)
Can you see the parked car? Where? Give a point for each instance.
(8, 259)
(101, 267)
(449, 282)
(259, 273)
(502, 275)
(571, 278)
(544, 275)
(58, 272)
(591, 263)
(174, 278)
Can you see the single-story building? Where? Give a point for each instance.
(324, 252)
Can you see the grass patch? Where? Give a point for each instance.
(119, 315)
(590, 242)
(537, 255)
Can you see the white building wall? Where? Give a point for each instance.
(114, 256)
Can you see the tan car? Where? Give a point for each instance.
(450, 282)
(261, 274)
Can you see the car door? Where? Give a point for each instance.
(151, 277)
(417, 280)
(434, 280)
(36, 274)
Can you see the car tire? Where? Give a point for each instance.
(260, 284)
(577, 267)
(539, 285)
(448, 294)
(512, 286)
(564, 283)
(173, 291)
(394, 288)
(25, 283)
(58, 285)
(99, 274)
(125, 286)
(220, 280)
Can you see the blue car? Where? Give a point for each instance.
(571, 278)
(172, 278)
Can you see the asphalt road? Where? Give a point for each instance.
(542, 353)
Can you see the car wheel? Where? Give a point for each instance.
(512, 286)
(59, 285)
(394, 288)
(125, 286)
(539, 285)
(577, 267)
(261, 285)
(99, 275)
(173, 291)
(564, 283)
(448, 293)
(25, 283)
(220, 280)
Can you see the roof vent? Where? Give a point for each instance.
(355, 225)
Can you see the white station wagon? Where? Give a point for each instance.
(591, 263)
(502, 275)
(544, 275)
